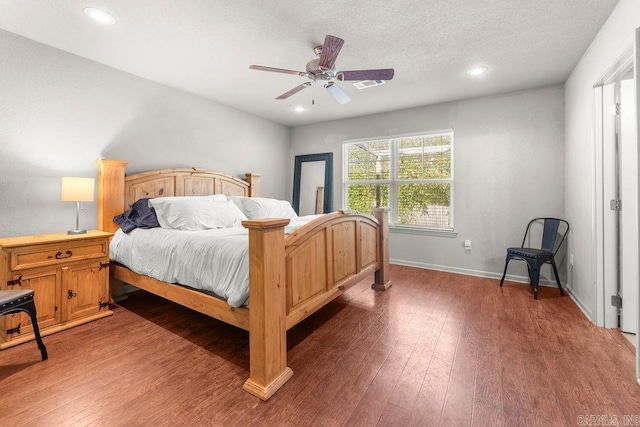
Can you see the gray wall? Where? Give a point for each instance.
(60, 112)
(509, 168)
(614, 37)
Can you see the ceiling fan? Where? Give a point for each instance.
(323, 69)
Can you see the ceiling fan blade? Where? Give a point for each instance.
(277, 70)
(337, 93)
(330, 50)
(294, 90)
(383, 74)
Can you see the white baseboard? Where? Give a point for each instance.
(585, 310)
(470, 272)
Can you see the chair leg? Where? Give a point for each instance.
(30, 308)
(534, 274)
(506, 264)
(555, 271)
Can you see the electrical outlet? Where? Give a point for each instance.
(571, 260)
(467, 245)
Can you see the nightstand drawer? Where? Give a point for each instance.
(51, 254)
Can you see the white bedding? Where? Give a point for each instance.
(211, 260)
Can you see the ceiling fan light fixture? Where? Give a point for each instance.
(99, 16)
(338, 94)
(476, 71)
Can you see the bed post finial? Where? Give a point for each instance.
(382, 282)
(110, 192)
(254, 184)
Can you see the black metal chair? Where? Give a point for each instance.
(553, 234)
(14, 301)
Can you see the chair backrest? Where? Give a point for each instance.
(553, 234)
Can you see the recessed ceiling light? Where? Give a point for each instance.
(299, 109)
(476, 71)
(99, 16)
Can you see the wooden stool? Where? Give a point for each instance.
(22, 300)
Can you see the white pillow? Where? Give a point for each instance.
(261, 207)
(196, 213)
(183, 199)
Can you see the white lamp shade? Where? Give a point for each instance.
(77, 189)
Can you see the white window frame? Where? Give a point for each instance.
(393, 181)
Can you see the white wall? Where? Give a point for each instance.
(614, 37)
(509, 168)
(60, 112)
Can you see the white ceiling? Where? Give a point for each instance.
(206, 46)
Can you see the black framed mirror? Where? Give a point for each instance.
(313, 183)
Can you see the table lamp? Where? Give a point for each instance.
(77, 190)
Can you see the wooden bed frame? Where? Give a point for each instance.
(290, 277)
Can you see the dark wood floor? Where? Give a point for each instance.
(435, 349)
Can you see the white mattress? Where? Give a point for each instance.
(211, 260)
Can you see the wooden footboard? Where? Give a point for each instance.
(327, 256)
(290, 277)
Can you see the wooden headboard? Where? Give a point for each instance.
(116, 192)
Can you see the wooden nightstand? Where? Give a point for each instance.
(69, 275)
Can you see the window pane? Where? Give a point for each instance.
(421, 178)
(363, 197)
(425, 205)
(425, 157)
(368, 160)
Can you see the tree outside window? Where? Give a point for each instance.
(411, 174)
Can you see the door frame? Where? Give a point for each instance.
(604, 313)
(632, 53)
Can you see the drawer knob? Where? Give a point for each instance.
(60, 255)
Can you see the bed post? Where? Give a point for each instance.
(254, 184)
(110, 192)
(110, 204)
(267, 308)
(382, 282)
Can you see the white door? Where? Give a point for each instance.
(619, 233)
(629, 278)
(610, 178)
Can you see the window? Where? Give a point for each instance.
(411, 174)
